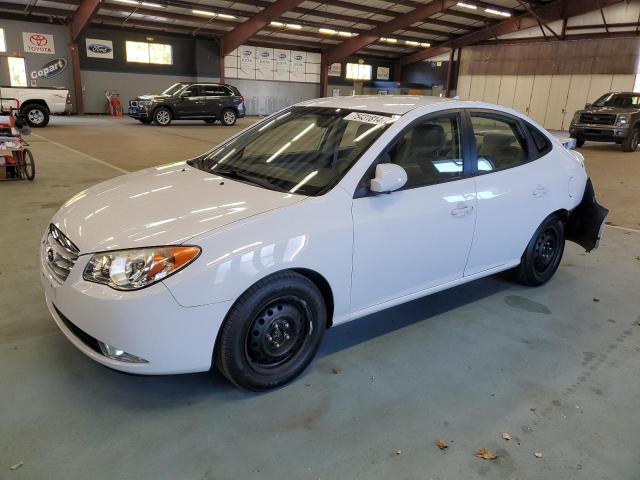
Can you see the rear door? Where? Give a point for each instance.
(216, 96)
(517, 186)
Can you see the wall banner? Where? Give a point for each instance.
(38, 43)
(49, 70)
(283, 61)
(264, 62)
(382, 73)
(247, 62)
(335, 69)
(99, 48)
(298, 69)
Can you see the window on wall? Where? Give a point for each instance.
(357, 71)
(3, 43)
(17, 71)
(143, 52)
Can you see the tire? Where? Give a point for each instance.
(29, 167)
(272, 332)
(580, 142)
(630, 144)
(210, 121)
(146, 121)
(542, 256)
(229, 117)
(162, 116)
(37, 115)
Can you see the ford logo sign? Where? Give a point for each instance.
(282, 56)
(99, 48)
(298, 57)
(50, 69)
(265, 54)
(247, 53)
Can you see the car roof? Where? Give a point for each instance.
(393, 104)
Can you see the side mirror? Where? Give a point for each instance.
(389, 177)
(587, 105)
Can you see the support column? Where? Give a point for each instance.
(221, 63)
(77, 78)
(447, 90)
(324, 77)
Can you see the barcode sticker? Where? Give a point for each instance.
(368, 118)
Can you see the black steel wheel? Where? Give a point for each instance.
(542, 256)
(630, 144)
(272, 332)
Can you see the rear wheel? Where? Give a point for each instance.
(162, 116)
(228, 117)
(37, 115)
(579, 142)
(630, 144)
(543, 254)
(272, 332)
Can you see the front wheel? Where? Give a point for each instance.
(630, 144)
(228, 117)
(272, 332)
(162, 116)
(37, 115)
(580, 142)
(543, 254)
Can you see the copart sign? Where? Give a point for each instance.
(50, 69)
(38, 43)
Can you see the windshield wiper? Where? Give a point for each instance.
(247, 177)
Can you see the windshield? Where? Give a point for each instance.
(304, 150)
(618, 100)
(174, 88)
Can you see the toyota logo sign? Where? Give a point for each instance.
(38, 43)
(38, 39)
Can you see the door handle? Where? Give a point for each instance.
(461, 211)
(539, 191)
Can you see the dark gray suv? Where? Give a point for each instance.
(190, 101)
(614, 117)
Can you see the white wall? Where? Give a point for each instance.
(550, 100)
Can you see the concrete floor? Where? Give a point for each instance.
(556, 367)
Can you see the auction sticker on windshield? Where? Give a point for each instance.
(368, 118)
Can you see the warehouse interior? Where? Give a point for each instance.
(543, 378)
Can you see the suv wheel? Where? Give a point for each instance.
(630, 144)
(162, 116)
(37, 115)
(228, 117)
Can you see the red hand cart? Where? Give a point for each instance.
(16, 160)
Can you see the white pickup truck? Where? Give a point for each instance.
(36, 104)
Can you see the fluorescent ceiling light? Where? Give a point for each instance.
(412, 43)
(344, 34)
(200, 12)
(388, 40)
(277, 24)
(130, 2)
(327, 31)
(225, 15)
(154, 5)
(467, 5)
(497, 12)
(425, 45)
(294, 26)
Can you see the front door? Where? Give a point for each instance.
(191, 102)
(420, 236)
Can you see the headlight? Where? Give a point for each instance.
(144, 102)
(139, 268)
(576, 118)
(622, 120)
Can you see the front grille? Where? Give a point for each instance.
(83, 336)
(59, 254)
(598, 118)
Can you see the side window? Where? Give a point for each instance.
(430, 152)
(500, 143)
(193, 91)
(214, 91)
(541, 144)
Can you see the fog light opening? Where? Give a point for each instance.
(118, 354)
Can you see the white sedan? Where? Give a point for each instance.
(324, 212)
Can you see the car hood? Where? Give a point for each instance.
(152, 97)
(161, 206)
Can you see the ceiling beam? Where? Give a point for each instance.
(248, 29)
(354, 44)
(548, 13)
(82, 17)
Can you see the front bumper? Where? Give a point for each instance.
(598, 133)
(148, 323)
(139, 112)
